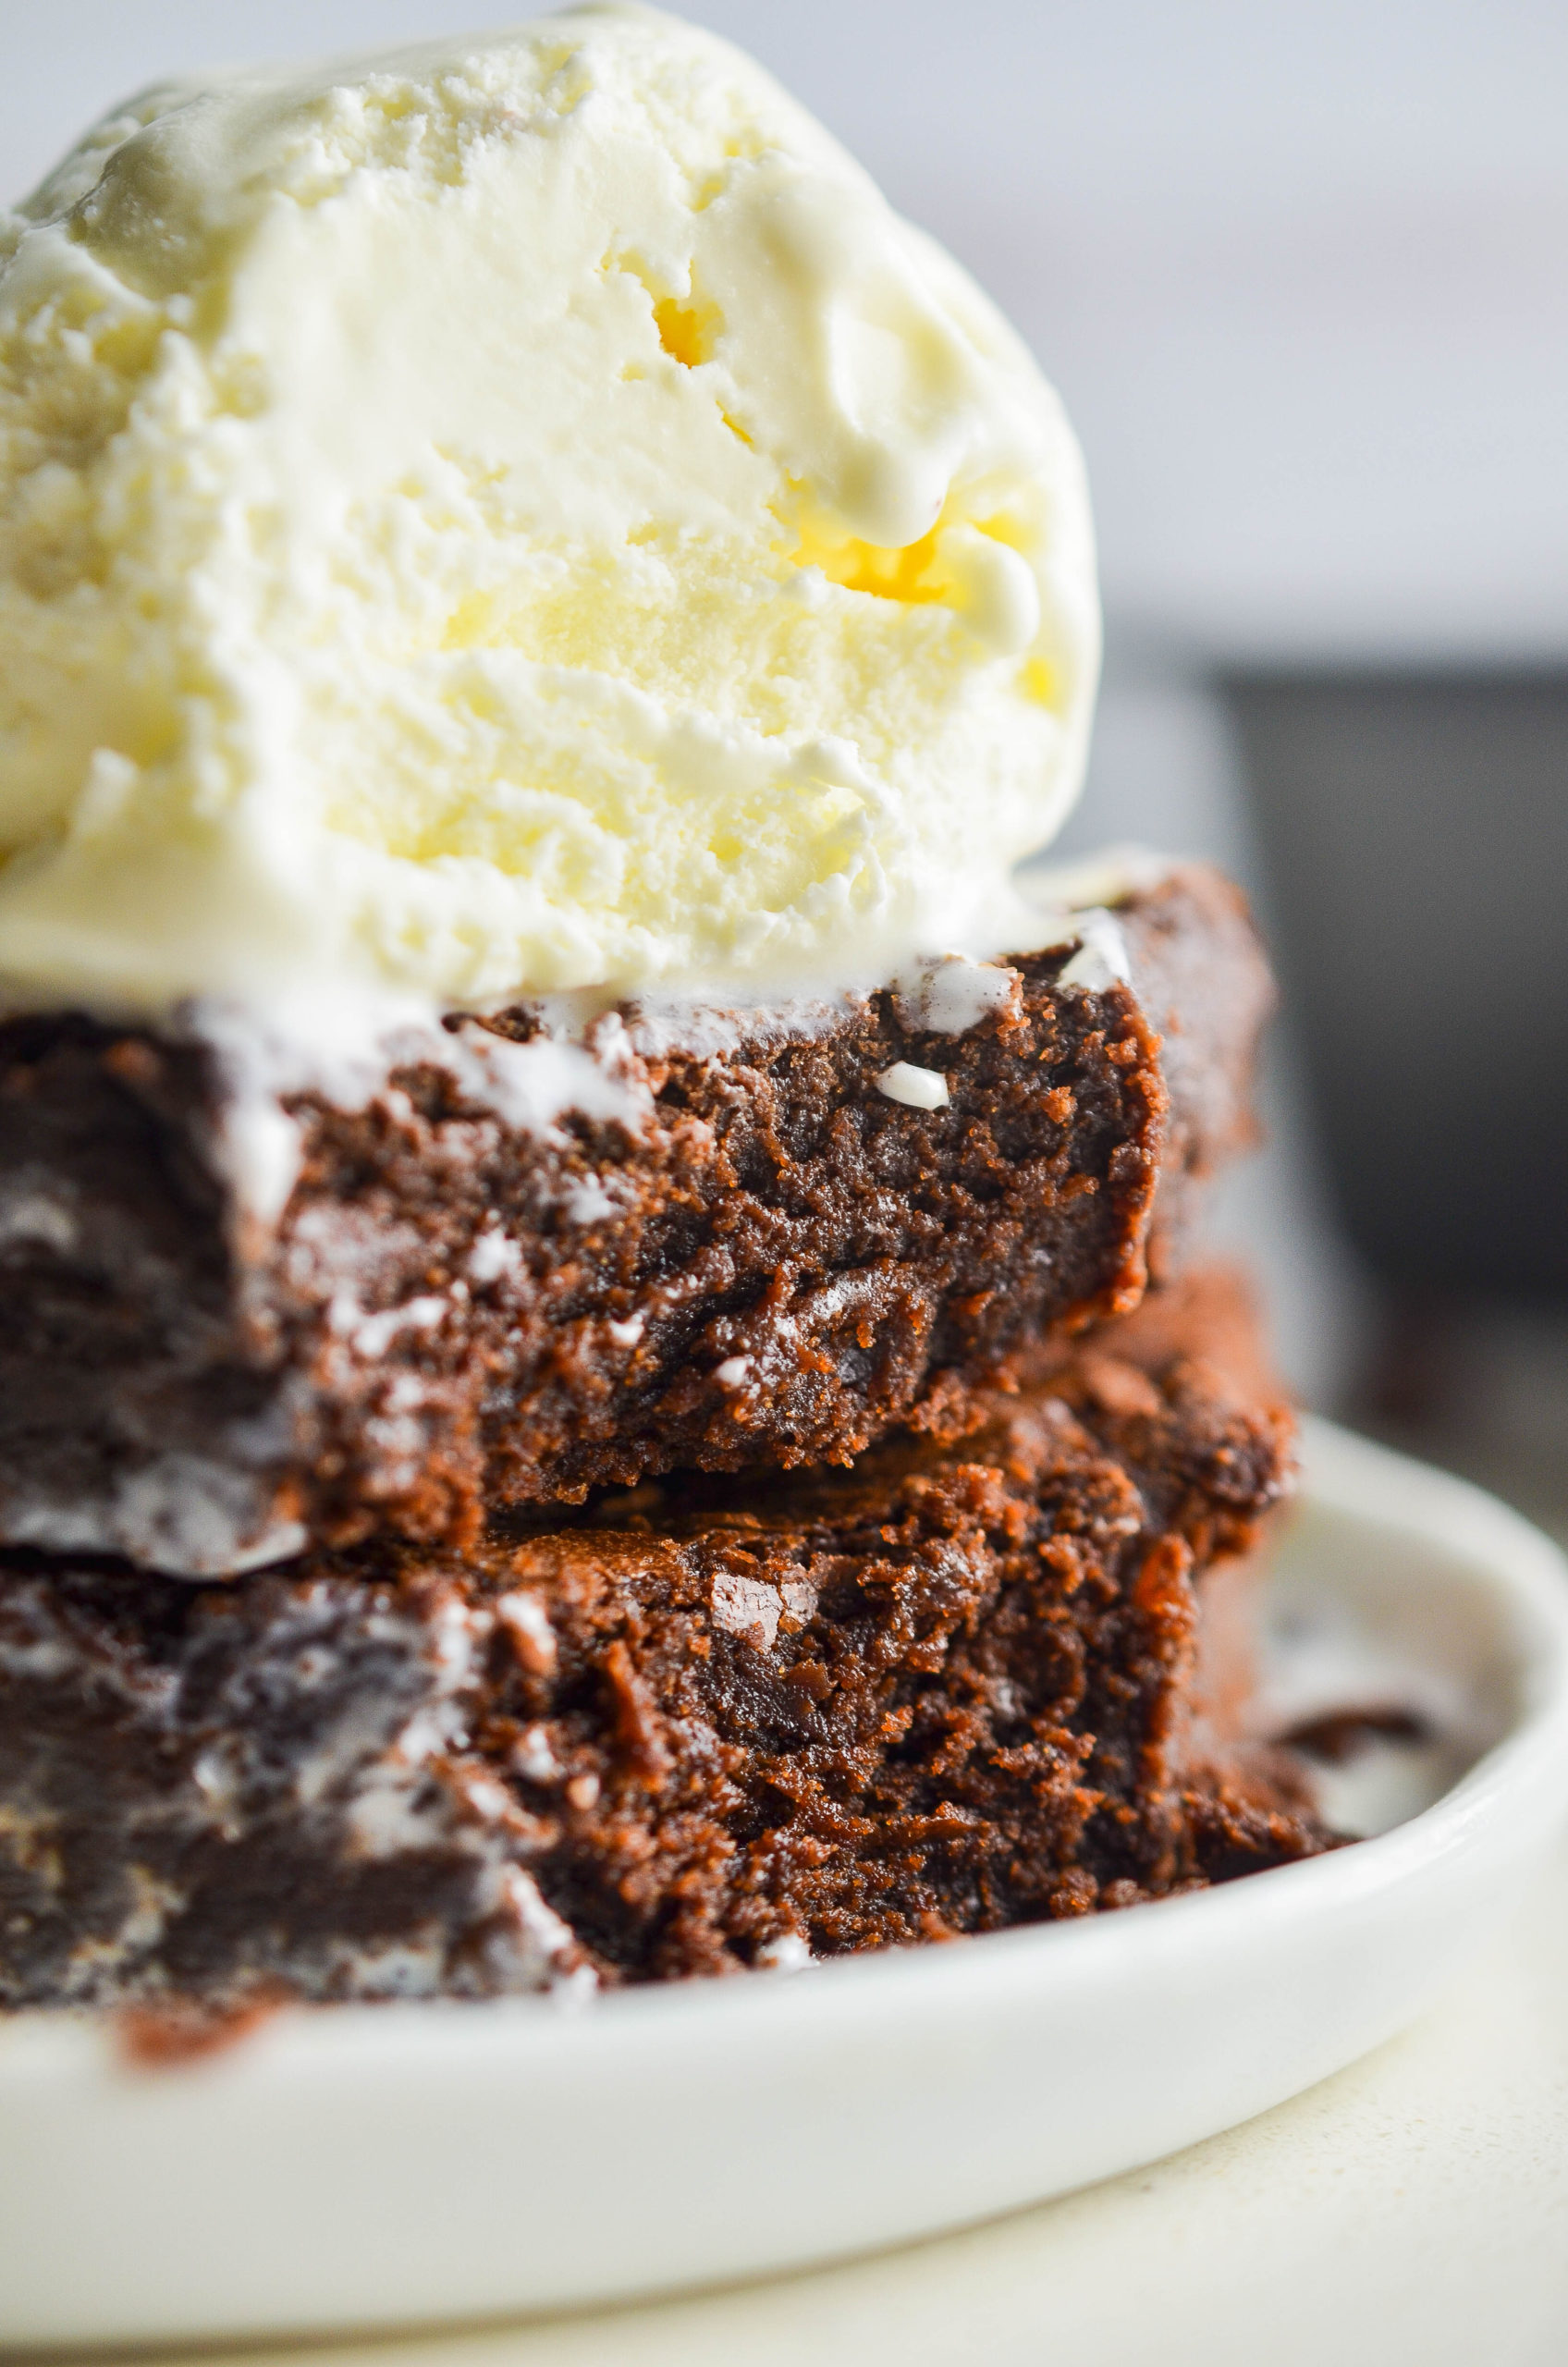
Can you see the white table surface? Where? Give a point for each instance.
(1413, 2209)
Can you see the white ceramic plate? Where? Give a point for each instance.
(371, 2166)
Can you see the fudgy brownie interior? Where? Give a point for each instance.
(705, 1724)
(726, 1246)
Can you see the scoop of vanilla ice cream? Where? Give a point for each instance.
(511, 515)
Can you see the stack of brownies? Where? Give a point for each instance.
(693, 1490)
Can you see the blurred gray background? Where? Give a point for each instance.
(1301, 271)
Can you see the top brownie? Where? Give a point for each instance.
(512, 1267)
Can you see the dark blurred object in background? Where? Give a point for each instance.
(1413, 831)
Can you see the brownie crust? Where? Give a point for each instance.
(699, 1727)
(732, 1249)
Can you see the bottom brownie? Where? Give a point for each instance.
(686, 1730)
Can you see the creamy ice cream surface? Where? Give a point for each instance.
(513, 515)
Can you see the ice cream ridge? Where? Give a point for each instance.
(514, 514)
